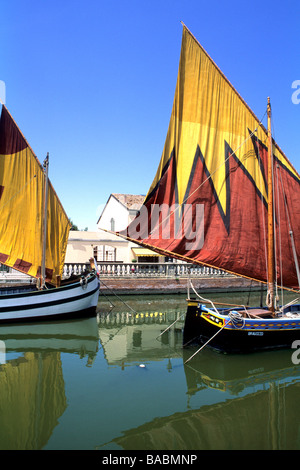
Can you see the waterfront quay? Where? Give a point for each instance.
(165, 278)
(144, 285)
(151, 278)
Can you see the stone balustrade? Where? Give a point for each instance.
(138, 270)
(127, 270)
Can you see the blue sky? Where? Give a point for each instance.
(92, 82)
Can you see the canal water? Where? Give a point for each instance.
(114, 382)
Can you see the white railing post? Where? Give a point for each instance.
(135, 270)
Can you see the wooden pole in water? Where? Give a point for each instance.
(270, 215)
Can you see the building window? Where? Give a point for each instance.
(104, 253)
(112, 225)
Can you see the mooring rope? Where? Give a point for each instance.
(193, 355)
(128, 306)
(234, 318)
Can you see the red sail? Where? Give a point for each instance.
(208, 201)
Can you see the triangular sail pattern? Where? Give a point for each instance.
(215, 162)
(21, 208)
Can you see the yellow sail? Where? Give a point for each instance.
(207, 112)
(208, 200)
(21, 208)
(28, 418)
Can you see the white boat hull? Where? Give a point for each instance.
(75, 300)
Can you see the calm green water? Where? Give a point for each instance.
(111, 383)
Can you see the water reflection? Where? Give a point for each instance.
(119, 381)
(129, 338)
(258, 409)
(232, 401)
(32, 387)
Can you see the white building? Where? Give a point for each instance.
(117, 214)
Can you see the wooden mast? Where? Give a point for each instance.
(46, 185)
(271, 277)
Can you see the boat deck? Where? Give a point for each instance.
(258, 313)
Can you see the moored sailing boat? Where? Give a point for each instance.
(33, 238)
(225, 196)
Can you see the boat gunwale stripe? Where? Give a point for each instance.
(42, 292)
(48, 303)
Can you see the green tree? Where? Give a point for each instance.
(73, 226)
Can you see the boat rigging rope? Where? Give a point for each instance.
(117, 297)
(202, 298)
(211, 302)
(263, 213)
(234, 318)
(268, 296)
(179, 318)
(219, 331)
(279, 235)
(290, 231)
(289, 314)
(237, 319)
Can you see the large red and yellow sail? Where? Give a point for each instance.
(213, 176)
(21, 208)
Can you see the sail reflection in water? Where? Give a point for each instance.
(80, 385)
(32, 387)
